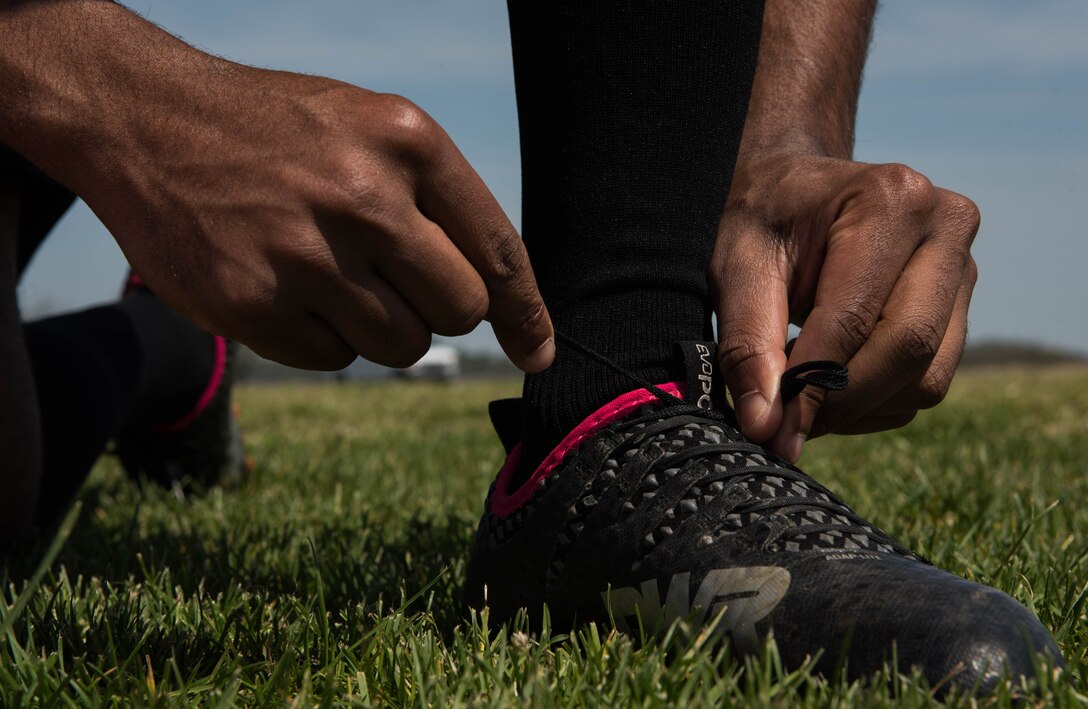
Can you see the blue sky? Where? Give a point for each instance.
(986, 98)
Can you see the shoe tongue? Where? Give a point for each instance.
(506, 418)
(697, 364)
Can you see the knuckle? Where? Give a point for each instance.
(918, 342)
(933, 387)
(507, 258)
(813, 399)
(905, 186)
(359, 191)
(325, 357)
(970, 273)
(964, 210)
(901, 421)
(407, 349)
(358, 194)
(534, 318)
(464, 314)
(736, 349)
(826, 421)
(268, 350)
(855, 322)
(959, 219)
(409, 129)
(335, 360)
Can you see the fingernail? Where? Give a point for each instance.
(794, 447)
(539, 359)
(751, 408)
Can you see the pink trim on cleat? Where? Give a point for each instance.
(504, 503)
(133, 281)
(207, 396)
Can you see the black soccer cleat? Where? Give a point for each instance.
(655, 509)
(202, 448)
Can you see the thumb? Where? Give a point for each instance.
(749, 277)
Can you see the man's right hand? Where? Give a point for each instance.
(314, 220)
(310, 219)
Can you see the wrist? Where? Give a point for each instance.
(84, 82)
(777, 183)
(759, 171)
(762, 145)
(804, 96)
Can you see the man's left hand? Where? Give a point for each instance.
(873, 261)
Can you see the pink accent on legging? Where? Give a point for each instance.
(504, 503)
(207, 396)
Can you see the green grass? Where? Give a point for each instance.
(333, 576)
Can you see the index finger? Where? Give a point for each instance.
(871, 242)
(455, 197)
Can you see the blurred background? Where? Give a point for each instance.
(988, 98)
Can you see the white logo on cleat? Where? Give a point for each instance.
(706, 377)
(747, 595)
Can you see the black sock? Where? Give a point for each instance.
(631, 113)
(132, 364)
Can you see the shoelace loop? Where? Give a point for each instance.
(821, 373)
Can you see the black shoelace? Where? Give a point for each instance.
(822, 373)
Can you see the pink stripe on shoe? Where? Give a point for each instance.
(205, 400)
(503, 504)
(133, 281)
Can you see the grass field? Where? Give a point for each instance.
(334, 575)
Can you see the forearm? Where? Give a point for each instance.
(804, 98)
(83, 83)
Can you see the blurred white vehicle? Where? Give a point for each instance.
(441, 362)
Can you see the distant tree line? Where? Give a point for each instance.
(997, 352)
